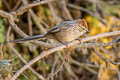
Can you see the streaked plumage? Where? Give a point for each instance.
(66, 31)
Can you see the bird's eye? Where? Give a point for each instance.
(83, 27)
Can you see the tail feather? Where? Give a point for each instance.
(27, 39)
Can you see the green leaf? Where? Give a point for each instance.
(2, 30)
(1, 26)
(2, 37)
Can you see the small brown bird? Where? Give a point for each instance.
(66, 31)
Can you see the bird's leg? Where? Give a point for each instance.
(64, 43)
(68, 51)
(68, 54)
(80, 40)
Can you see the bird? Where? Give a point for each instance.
(64, 32)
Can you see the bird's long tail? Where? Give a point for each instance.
(27, 39)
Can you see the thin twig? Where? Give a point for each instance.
(108, 34)
(55, 16)
(68, 67)
(4, 14)
(90, 45)
(21, 58)
(58, 70)
(87, 11)
(83, 66)
(117, 71)
(53, 66)
(66, 10)
(24, 61)
(17, 5)
(7, 5)
(50, 51)
(28, 6)
(30, 24)
(36, 20)
(106, 59)
(11, 18)
(1, 78)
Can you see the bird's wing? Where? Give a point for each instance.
(61, 26)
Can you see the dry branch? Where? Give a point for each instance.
(50, 51)
(25, 8)
(12, 18)
(20, 57)
(87, 11)
(14, 26)
(105, 59)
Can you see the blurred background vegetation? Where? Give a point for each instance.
(101, 15)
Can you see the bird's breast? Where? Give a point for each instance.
(68, 35)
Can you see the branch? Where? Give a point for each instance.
(50, 51)
(25, 8)
(104, 58)
(91, 45)
(24, 61)
(87, 11)
(12, 18)
(20, 57)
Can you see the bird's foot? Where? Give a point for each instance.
(80, 40)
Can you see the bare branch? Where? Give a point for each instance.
(28, 6)
(87, 11)
(50, 51)
(107, 60)
(101, 36)
(58, 70)
(24, 61)
(20, 57)
(66, 10)
(11, 19)
(117, 71)
(90, 45)
(4, 14)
